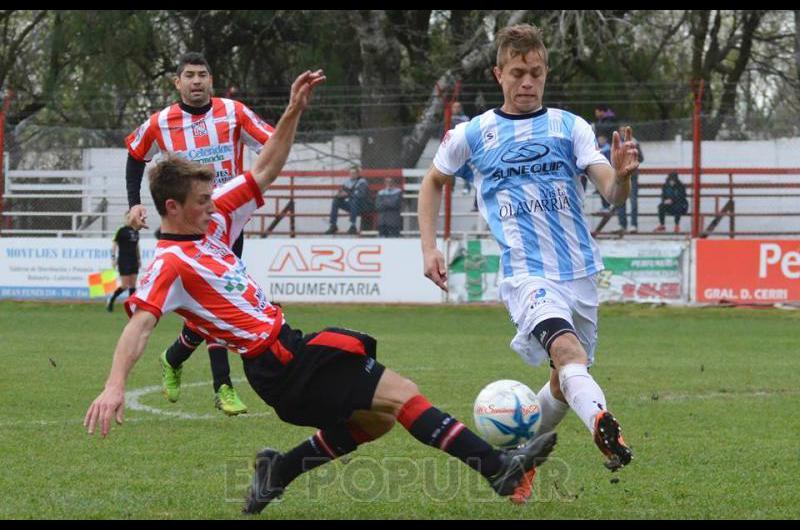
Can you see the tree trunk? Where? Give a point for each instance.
(429, 122)
(380, 57)
(727, 106)
(797, 47)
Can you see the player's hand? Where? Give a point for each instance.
(110, 402)
(435, 268)
(624, 155)
(137, 217)
(300, 94)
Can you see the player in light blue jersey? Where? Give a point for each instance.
(526, 161)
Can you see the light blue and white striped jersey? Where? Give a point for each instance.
(526, 169)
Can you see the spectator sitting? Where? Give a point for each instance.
(673, 201)
(353, 196)
(388, 203)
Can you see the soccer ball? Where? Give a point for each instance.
(507, 413)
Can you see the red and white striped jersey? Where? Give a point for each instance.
(201, 279)
(215, 138)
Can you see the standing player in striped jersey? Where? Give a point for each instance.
(210, 131)
(329, 380)
(526, 161)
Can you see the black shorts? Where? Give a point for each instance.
(128, 267)
(331, 374)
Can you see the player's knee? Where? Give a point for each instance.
(557, 337)
(567, 349)
(406, 389)
(393, 392)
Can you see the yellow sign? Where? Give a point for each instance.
(102, 283)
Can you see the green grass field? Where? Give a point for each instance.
(708, 398)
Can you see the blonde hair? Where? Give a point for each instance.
(519, 40)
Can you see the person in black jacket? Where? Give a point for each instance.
(673, 202)
(126, 258)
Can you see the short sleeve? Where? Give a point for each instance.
(141, 143)
(255, 131)
(454, 150)
(235, 201)
(585, 145)
(158, 290)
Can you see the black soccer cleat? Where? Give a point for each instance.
(266, 485)
(608, 437)
(516, 462)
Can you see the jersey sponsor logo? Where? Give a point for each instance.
(199, 129)
(234, 282)
(222, 176)
(545, 168)
(549, 202)
(525, 153)
(211, 154)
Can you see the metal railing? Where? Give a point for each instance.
(735, 202)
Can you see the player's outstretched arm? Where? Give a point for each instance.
(275, 152)
(430, 196)
(111, 401)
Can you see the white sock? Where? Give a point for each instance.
(553, 409)
(583, 393)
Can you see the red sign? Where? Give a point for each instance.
(752, 272)
(331, 258)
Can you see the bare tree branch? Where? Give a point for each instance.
(472, 60)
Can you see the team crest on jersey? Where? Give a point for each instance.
(199, 129)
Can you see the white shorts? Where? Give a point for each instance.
(531, 300)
